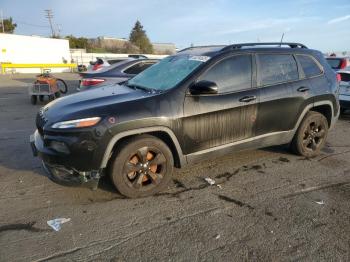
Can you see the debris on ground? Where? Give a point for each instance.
(217, 236)
(320, 202)
(210, 181)
(56, 223)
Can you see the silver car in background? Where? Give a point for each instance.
(114, 74)
(344, 90)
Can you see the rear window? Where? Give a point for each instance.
(345, 77)
(137, 68)
(114, 61)
(309, 66)
(334, 62)
(276, 68)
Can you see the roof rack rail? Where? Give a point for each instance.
(203, 46)
(280, 44)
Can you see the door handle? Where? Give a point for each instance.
(303, 89)
(247, 99)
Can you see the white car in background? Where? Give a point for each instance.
(344, 90)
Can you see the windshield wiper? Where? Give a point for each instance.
(133, 86)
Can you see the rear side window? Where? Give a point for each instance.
(114, 61)
(309, 66)
(138, 68)
(345, 77)
(231, 74)
(277, 69)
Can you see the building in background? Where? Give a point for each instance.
(164, 48)
(117, 44)
(21, 49)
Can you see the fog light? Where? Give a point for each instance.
(59, 147)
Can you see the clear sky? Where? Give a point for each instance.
(320, 24)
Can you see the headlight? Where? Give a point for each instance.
(85, 122)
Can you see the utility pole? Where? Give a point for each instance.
(2, 22)
(282, 39)
(49, 15)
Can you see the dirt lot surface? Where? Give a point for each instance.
(269, 205)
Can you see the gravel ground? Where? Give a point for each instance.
(269, 205)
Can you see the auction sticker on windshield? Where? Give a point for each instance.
(199, 58)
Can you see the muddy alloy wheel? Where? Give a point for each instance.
(142, 167)
(311, 135)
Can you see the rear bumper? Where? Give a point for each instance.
(344, 101)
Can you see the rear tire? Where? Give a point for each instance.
(33, 99)
(142, 166)
(311, 135)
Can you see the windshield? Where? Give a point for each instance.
(168, 72)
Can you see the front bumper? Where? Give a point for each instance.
(62, 168)
(83, 155)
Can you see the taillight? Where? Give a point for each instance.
(96, 67)
(338, 78)
(91, 81)
(343, 64)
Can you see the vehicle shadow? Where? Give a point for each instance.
(345, 115)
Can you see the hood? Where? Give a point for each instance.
(90, 103)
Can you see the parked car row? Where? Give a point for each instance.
(201, 103)
(342, 66)
(100, 63)
(114, 74)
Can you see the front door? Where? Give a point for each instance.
(226, 117)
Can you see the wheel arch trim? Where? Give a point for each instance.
(109, 150)
(313, 105)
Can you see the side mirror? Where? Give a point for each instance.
(204, 88)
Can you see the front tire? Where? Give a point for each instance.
(142, 166)
(311, 135)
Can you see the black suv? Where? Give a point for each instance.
(198, 104)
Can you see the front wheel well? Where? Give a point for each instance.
(164, 136)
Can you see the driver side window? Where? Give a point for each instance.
(231, 74)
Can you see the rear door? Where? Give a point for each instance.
(277, 109)
(219, 119)
(313, 73)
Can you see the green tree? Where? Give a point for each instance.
(9, 26)
(138, 38)
(77, 42)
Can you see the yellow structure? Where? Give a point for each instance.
(41, 66)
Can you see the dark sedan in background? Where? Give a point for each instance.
(114, 74)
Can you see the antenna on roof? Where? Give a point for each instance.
(281, 39)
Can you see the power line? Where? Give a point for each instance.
(29, 24)
(49, 15)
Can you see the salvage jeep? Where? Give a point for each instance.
(201, 103)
